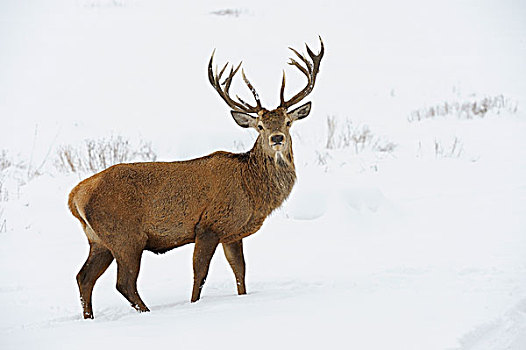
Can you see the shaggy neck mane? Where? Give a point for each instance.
(269, 179)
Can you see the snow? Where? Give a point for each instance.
(409, 249)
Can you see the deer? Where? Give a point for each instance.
(217, 199)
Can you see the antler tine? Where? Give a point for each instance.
(322, 51)
(210, 70)
(246, 104)
(295, 63)
(316, 58)
(215, 80)
(303, 58)
(282, 90)
(309, 51)
(221, 72)
(254, 92)
(310, 72)
(228, 80)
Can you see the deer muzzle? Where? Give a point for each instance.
(277, 141)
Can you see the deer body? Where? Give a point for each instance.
(217, 199)
(166, 201)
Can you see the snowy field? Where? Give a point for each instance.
(407, 226)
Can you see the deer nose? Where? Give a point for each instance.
(277, 138)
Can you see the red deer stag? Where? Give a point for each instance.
(220, 198)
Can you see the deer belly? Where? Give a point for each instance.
(166, 235)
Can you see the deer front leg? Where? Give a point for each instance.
(205, 246)
(234, 255)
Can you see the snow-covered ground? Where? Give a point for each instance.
(418, 246)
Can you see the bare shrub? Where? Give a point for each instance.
(98, 154)
(5, 162)
(4, 194)
(331, 132)
(228, 12)
(449, 150)
(68, 159)
(322, 158)
(466, 109)
(239, 146)
(346, 135)
(3, 222)
(105, 4)
(13, 174)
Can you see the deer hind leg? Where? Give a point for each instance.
(234, 255)
(128, 265)
(205, 246)
(98, 260)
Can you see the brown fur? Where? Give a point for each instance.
(220, 198)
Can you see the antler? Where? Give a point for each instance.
(310, 71)
(240, 105)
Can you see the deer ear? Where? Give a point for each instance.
(243, 119)
(300, 112)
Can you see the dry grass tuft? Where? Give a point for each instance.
(98, 154)
(344, 134)
(467, 109)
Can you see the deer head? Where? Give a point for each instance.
(272, 125)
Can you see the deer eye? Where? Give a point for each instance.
(288, 123)
(260, 127)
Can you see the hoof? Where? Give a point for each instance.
(140, 308)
